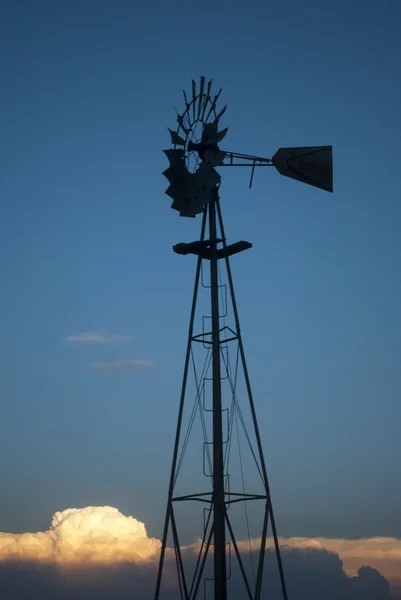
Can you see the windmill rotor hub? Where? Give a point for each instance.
(201, 148)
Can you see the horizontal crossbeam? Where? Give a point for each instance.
(237, 497)
(203, 250)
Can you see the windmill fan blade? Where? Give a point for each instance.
(179, 203)
(188, 207)
(191, 209)
(214, 157)
(209, 132)
(219, 136)
(176, 139)
(180, 187)
(170, 174)
(180, 121)
(221, 113)
(200, 102)
(193, 98)
(211, 135)
(175, 157)
(177, 170)
(209, 129)
(209, 88)
(175, 191)
(206, 177)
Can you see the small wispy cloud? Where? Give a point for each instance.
(93, 337)
(122, 365)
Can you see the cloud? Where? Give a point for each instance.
(97, 552)
(383, 553)
(93, 337)
(122, 365)
(86, 535)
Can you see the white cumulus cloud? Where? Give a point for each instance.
(99, 534)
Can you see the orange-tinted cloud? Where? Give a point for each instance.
(381, 553)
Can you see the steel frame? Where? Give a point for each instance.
(218, 523)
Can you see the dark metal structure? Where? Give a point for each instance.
(194, 188)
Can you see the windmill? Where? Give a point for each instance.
(194, 184)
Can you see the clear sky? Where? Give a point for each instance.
(86, 235)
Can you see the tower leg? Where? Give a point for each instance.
(180, 413)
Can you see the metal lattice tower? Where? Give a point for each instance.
(194, 188)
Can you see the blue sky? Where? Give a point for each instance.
(86, 232)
